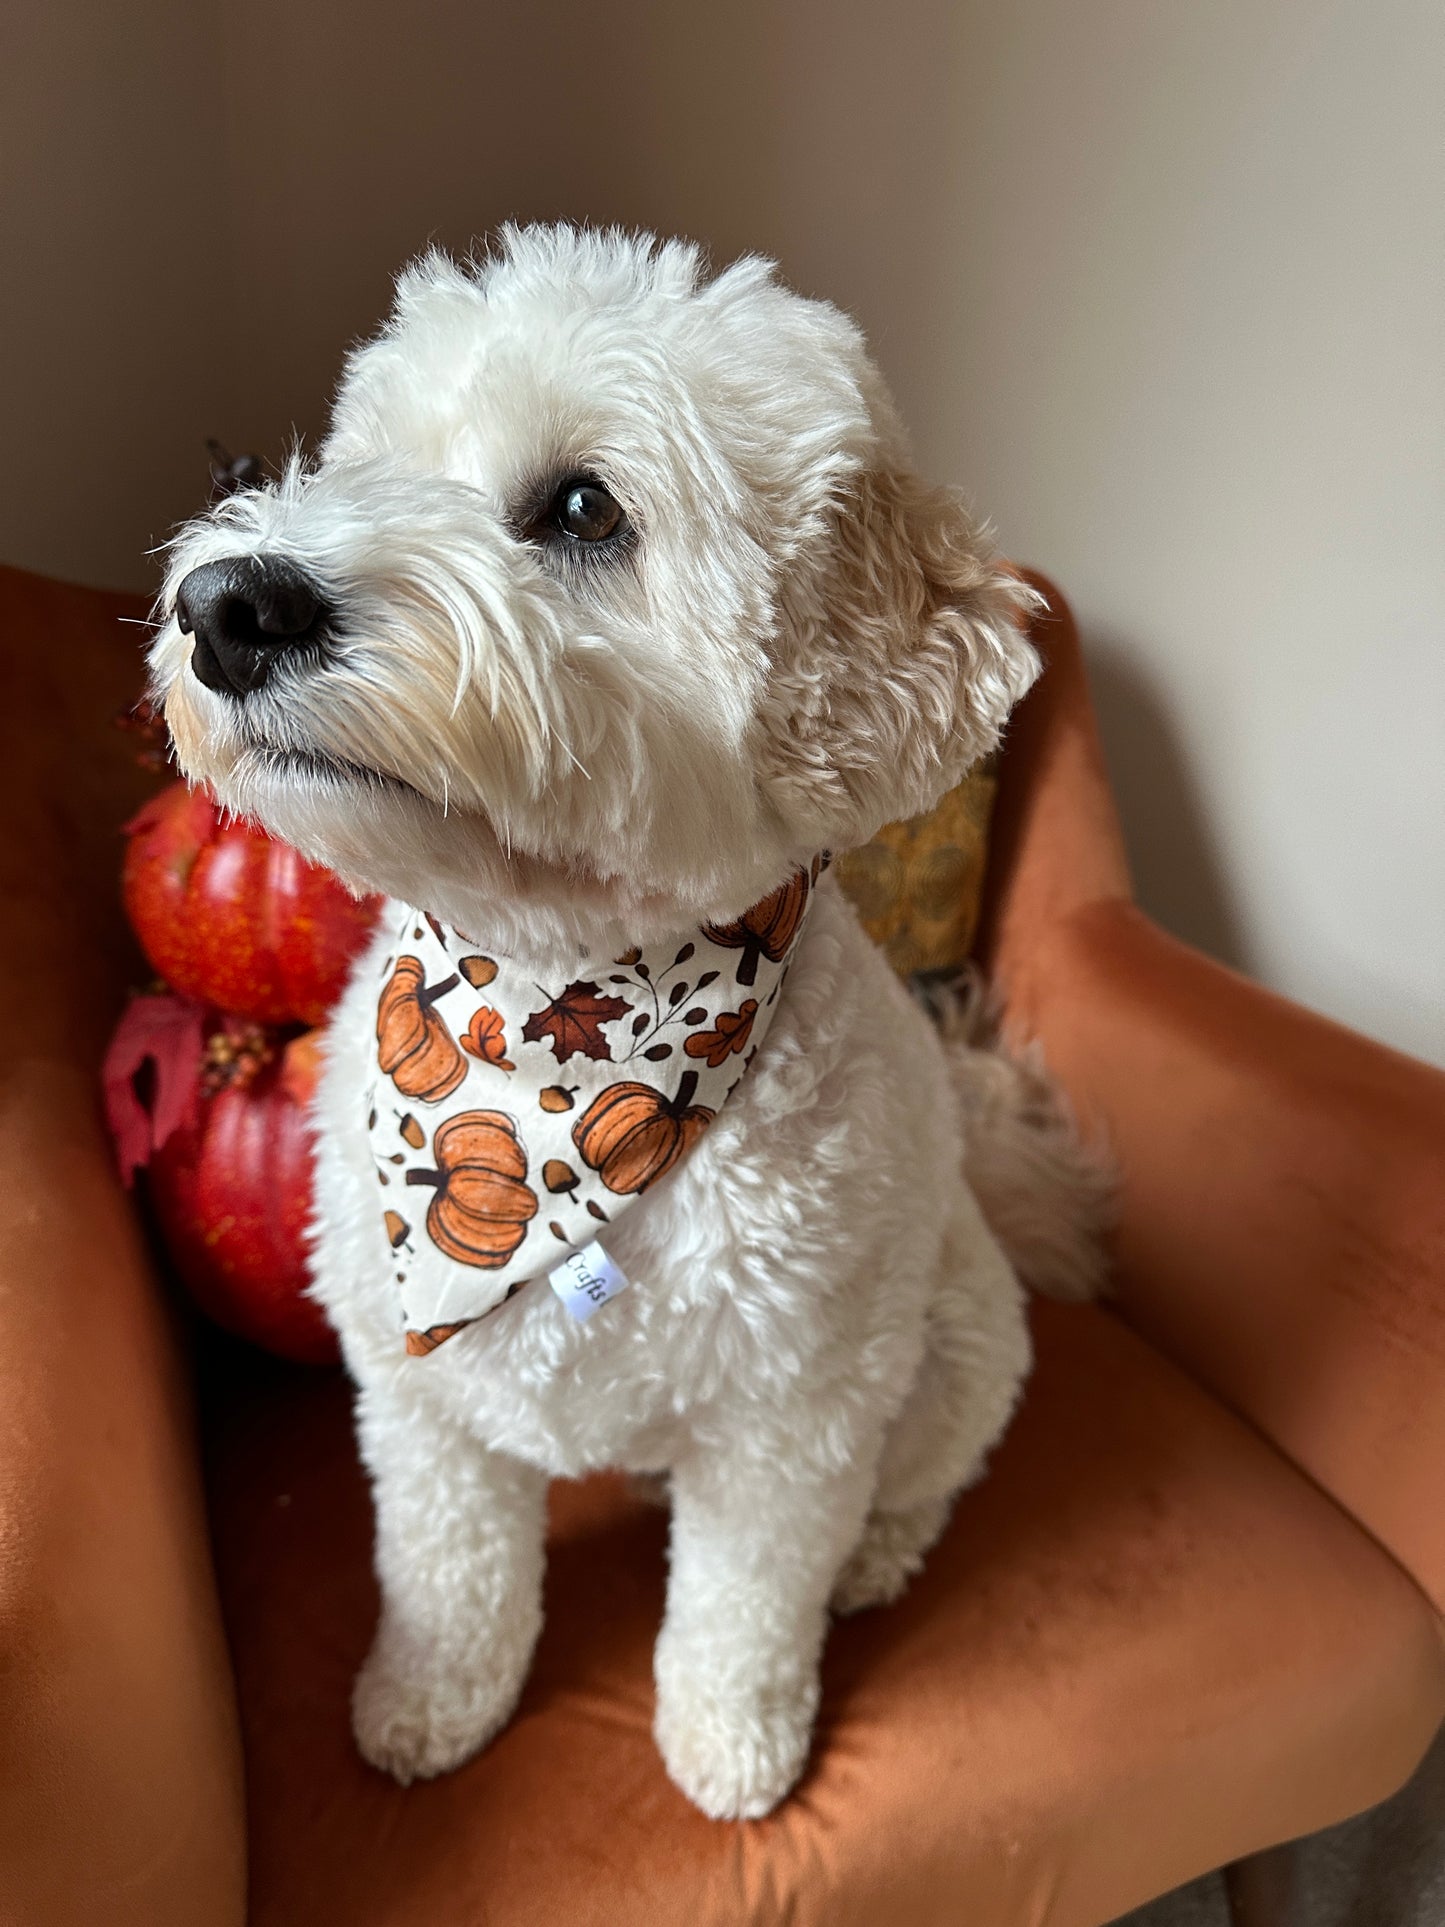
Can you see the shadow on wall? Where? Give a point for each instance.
(818, 135)
(1178, 875)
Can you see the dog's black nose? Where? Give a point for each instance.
(246, 613)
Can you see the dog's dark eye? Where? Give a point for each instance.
(583, 509)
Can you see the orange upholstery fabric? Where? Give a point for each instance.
(1144, 1646)
(119, 1762)
(1147, 1644)
(1283, 1230)
(1284, 1223)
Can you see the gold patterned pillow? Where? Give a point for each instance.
(917, 886)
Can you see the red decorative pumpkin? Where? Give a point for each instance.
(219, 1124)
(232, 1199)
(228, 915)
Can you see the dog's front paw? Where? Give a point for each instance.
(414, 1717)
(734, 1750)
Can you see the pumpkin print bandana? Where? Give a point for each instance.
(511, 1121)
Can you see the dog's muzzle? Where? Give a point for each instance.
(247, 613)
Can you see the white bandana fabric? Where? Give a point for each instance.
(511, 1121)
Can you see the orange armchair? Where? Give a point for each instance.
(1192, 1611)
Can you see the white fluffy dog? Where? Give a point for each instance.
(611, 602)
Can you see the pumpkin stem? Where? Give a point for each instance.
(748, 966)
(685, 1092)
(425, 1177)
(429, 993)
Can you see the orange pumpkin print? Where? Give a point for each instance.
(632, 1134)
(767, 929)
(415, 1048)
(418, 1344)
(731, 1033)
(483, 1204)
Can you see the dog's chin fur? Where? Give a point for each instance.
(377, 833)
(557, 751)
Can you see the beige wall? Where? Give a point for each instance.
(1159, 284)
(113, 264)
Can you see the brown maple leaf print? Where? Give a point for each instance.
(733, 1029)
(572, 1023)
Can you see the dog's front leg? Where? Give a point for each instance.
(459, 1553)
(756, 1545)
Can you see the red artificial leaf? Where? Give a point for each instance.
(165, 1032)
(572, 1022)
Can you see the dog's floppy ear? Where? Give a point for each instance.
(897, 665)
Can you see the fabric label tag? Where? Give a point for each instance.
(586, 1280)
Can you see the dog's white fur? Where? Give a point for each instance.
(551, 751)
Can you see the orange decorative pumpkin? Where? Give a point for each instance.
(632, 1135)
(767, 929)
(483, 1204)
(416, 1050)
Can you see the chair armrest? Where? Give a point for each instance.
(120, 1771)
(1283, 1209)
(1055, 841)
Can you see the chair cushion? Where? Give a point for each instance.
(1145, 1645)
(918, 885)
